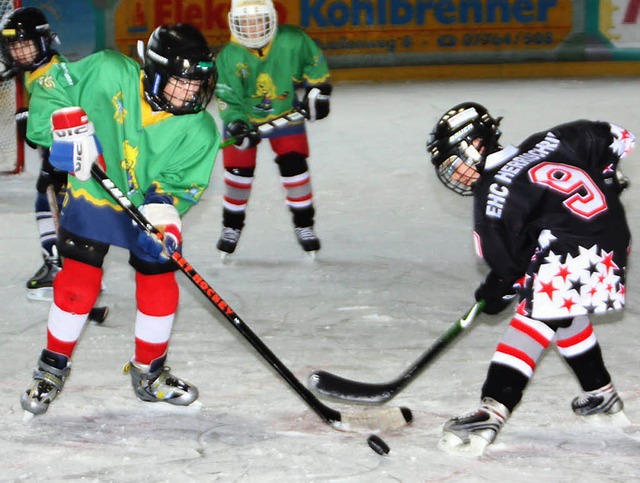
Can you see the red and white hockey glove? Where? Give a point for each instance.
(75, 146)
(166, 219)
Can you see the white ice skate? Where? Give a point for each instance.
(471, 433)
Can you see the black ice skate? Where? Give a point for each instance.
(471, 433)
(40, 286)
(307, 238)
(48, 381)
(155, 383)
(228, 240)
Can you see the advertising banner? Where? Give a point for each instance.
(415, 34)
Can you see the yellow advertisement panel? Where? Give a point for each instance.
(389, 28)
(377, 26)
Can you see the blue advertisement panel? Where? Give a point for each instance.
(76, 22)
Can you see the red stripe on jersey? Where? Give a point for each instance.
(531, 332)
(518, 354)
(576, 339)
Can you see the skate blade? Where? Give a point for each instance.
(27, 416)
(452, 444)
(40, 294)
(618, 420)
(168, 408)
(312, 255)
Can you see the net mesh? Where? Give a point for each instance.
(8, 139)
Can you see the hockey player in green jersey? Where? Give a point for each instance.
(260, 70)
(28, 52)
(151, 132)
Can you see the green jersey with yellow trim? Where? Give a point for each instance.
(143, 149)
(258, 85)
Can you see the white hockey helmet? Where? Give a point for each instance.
(253, 22)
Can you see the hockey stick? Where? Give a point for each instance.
(97, 314)
(267, 127)
(379, 420)
(363, 392)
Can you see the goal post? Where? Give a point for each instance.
(12, 152)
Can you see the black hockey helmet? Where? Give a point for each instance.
(181, 51)
(459, 144)
(26, 23)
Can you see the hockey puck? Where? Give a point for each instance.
(99, 314)
(378, 445)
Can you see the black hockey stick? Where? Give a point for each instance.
(265, 128)
(379, 420)
(97, 313)
(374, 393)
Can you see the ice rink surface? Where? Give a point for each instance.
(396, 269)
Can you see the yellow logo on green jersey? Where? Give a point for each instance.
(118, 105)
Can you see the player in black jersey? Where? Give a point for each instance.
(550, 225)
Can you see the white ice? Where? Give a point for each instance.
(396, 269)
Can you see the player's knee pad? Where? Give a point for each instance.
(81, 249)
(157, 295)
(292, 164)
(243, 172)
(77, 286)
(147, 266)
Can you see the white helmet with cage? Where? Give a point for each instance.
(253, 23)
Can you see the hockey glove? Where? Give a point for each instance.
(166, 219)
(8, 74)
(496, 293)
(316, 101)
(246, 135)
(22, 116)
(75, 146)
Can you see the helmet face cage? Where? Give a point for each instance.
(253, 22)
(459, 144)
(179, 52)
(24, 25)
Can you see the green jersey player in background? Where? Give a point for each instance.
(157, 143)
(260, 70)
(27, 47)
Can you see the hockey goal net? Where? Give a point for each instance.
(11, 148)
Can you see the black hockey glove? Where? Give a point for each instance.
(316, 101)
(8, 74)
(22, 115)
(496, 293)
(246, 135)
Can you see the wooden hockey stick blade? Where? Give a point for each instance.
(337, 387)
(386, 419)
